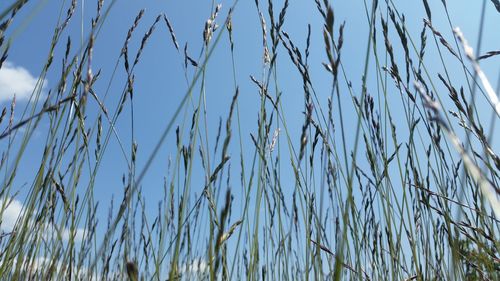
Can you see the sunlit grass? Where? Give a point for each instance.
(394, 176)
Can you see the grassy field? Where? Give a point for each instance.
(389, 173)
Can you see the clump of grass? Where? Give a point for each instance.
(394, 177)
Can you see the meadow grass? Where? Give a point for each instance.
(361, 190)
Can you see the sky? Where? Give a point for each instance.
(160, 81)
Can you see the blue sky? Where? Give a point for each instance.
(160, 83)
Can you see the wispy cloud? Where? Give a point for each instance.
(14, 209)
(18, 81)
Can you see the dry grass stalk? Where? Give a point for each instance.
(484, 80)
(487, 189)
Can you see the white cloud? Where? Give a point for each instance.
(36, 268)
(66, 234)
(194, 268)
(17, 80)
(10, 214)
(14, 209)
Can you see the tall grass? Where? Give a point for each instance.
(394, 176)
